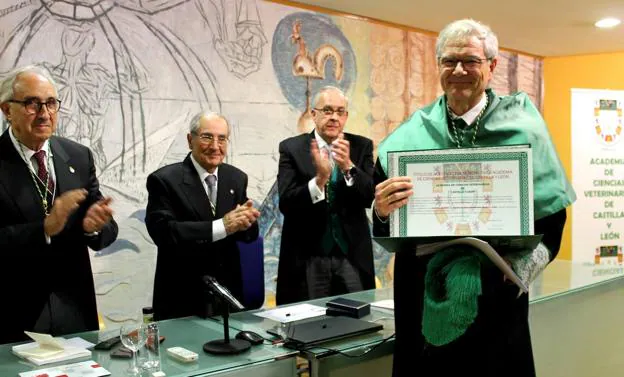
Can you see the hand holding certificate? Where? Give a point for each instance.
(479, 197)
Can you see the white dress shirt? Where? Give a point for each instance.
(218, 227)
(470, 115)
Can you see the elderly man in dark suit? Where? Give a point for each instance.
(52, 211)
(325, 184)
(196, 211)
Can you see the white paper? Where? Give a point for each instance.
(78, 343)
(45, 340)
(46, 349)
(48, 341)
(82, 369)
(293, 313)
(483, 247)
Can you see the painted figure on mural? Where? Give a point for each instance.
(120, 83)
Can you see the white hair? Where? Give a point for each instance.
(194, 125)
(463, 29)
(7, 85)
(329, 88)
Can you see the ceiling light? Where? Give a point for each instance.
(608, 22)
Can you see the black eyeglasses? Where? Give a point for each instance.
(468, 63)
(329, 111)
(210, 138)
(33, 105)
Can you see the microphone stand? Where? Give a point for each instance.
(226, 346)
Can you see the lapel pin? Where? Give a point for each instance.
(71, 170)
(232, 191)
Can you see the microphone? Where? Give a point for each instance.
(222, 292)
(225, 346)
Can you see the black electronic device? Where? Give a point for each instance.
(307, 334)
(347, 307)
(107, 344)
(250, 336)
(225, 346)
(121, 353)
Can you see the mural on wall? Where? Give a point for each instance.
(132, 73)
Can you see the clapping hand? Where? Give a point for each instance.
(98, 215)
(321, 162)
(240, 218)
(341, 151)
(62, 208)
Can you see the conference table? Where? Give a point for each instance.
(266, 360)
(190, 333)
(575, 317)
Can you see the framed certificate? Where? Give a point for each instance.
(465, 192)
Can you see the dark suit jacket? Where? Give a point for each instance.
(304, 222)
(179, 220)
(30, 269)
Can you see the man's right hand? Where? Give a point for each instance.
(321, 162)
(240, 218)
(391, 194)
(62, 208)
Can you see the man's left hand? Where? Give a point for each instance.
(240, 218)
(98, 215)
(341, 152)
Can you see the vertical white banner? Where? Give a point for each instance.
(598, 177)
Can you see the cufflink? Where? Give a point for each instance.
(71, 169)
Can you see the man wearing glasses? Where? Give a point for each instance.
(196, 211)
(52, 212)
(325, 184)
(492, 337)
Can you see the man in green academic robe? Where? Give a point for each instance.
(497, 343)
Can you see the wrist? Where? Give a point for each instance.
(350, 171)
(382, 219)
(321, 181)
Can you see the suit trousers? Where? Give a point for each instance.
(60, 315)
(330, 275)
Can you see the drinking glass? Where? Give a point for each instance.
(133, 336)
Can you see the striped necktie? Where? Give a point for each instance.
(211, 180)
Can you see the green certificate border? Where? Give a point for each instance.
(520, 156)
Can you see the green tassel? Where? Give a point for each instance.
(452, 289)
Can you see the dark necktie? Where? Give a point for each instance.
(461, 123)
(334, 233)
(42, 172)
(211, 181)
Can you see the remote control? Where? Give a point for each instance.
(107, 344)
(182, 354)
